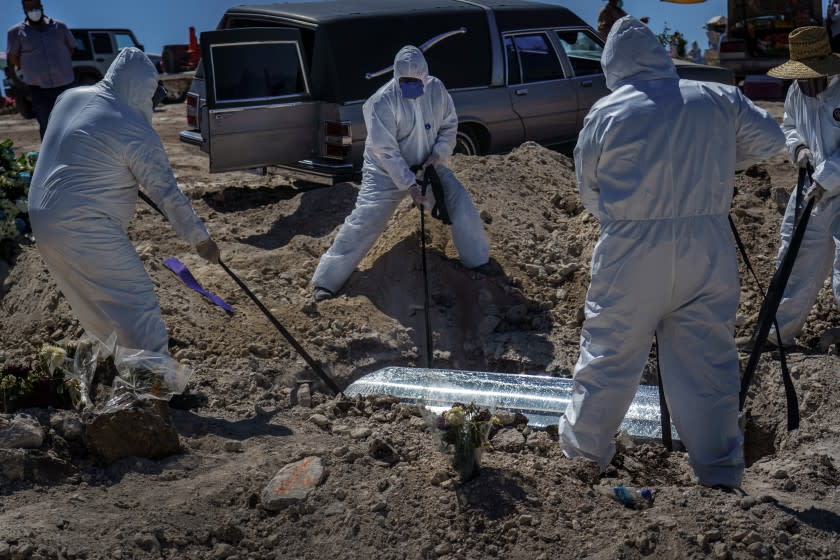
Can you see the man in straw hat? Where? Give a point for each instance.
(812, 128)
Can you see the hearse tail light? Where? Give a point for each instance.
(338, 139)
(192, 110)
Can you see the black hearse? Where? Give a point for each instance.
(283, 84)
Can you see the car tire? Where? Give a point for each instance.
(466, 143)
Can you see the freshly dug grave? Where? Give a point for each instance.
(529, 502)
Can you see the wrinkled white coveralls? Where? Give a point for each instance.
(99, 145)
(402, 133)
(655, 163)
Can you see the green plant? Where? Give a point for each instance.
(665, 36)
(15, 176)
(47, 380)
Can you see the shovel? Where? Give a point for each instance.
(328, 381)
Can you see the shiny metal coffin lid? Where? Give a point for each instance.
(541, 398)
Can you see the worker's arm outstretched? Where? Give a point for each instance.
(757, 135)
(150, 166)
(793, 140)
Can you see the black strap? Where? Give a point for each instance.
(770, 305)
(790, 391)
(664, 413)
(439, 212)
(424, 184)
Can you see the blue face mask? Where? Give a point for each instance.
(620, 4)
(411, 89)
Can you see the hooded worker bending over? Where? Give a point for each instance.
(99, 145)
(410, 121)
(665, 262)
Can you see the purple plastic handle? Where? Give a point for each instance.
(182, 272)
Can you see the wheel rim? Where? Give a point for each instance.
(464, 144)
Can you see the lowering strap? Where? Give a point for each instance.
(772, 299)
(424, 183)
(664, 413)
(182, 272)
(439, 212)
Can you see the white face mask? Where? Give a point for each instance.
(35, 15)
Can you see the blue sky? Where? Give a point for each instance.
(158, 22)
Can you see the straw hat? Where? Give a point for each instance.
(810, 56)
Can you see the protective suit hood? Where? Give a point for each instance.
(633, 52)
(132, 78)
(410, 63)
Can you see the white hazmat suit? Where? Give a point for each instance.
(99, 145)
(402, 133)
(655, 162)
(813, 123)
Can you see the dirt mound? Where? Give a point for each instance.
(529, 502)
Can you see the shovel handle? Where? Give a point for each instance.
(319, 371)
(286, 334)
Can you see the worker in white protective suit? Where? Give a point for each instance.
(665, 262)
(812, 128)
(99, 145)
(410, 121)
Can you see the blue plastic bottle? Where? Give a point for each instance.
(638, 498)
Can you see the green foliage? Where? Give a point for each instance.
(15, 176)
(46, 380)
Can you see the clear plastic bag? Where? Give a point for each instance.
(143, 374)
(80, 369)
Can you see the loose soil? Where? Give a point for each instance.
(528, 503)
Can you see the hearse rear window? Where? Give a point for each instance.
(257, 71)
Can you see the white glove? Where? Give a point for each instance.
(208, 250)
(419, 199)
(816, 192)
(804, 157)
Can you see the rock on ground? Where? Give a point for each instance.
(143, 429)
(293, 483)
(20, 431)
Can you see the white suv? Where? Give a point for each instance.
(95, 50)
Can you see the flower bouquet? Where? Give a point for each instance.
(463, 434)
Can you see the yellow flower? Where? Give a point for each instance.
(456, 416)
(53, 356)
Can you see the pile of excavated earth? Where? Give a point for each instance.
(270, 466)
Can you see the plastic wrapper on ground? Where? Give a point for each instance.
(80, 370)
